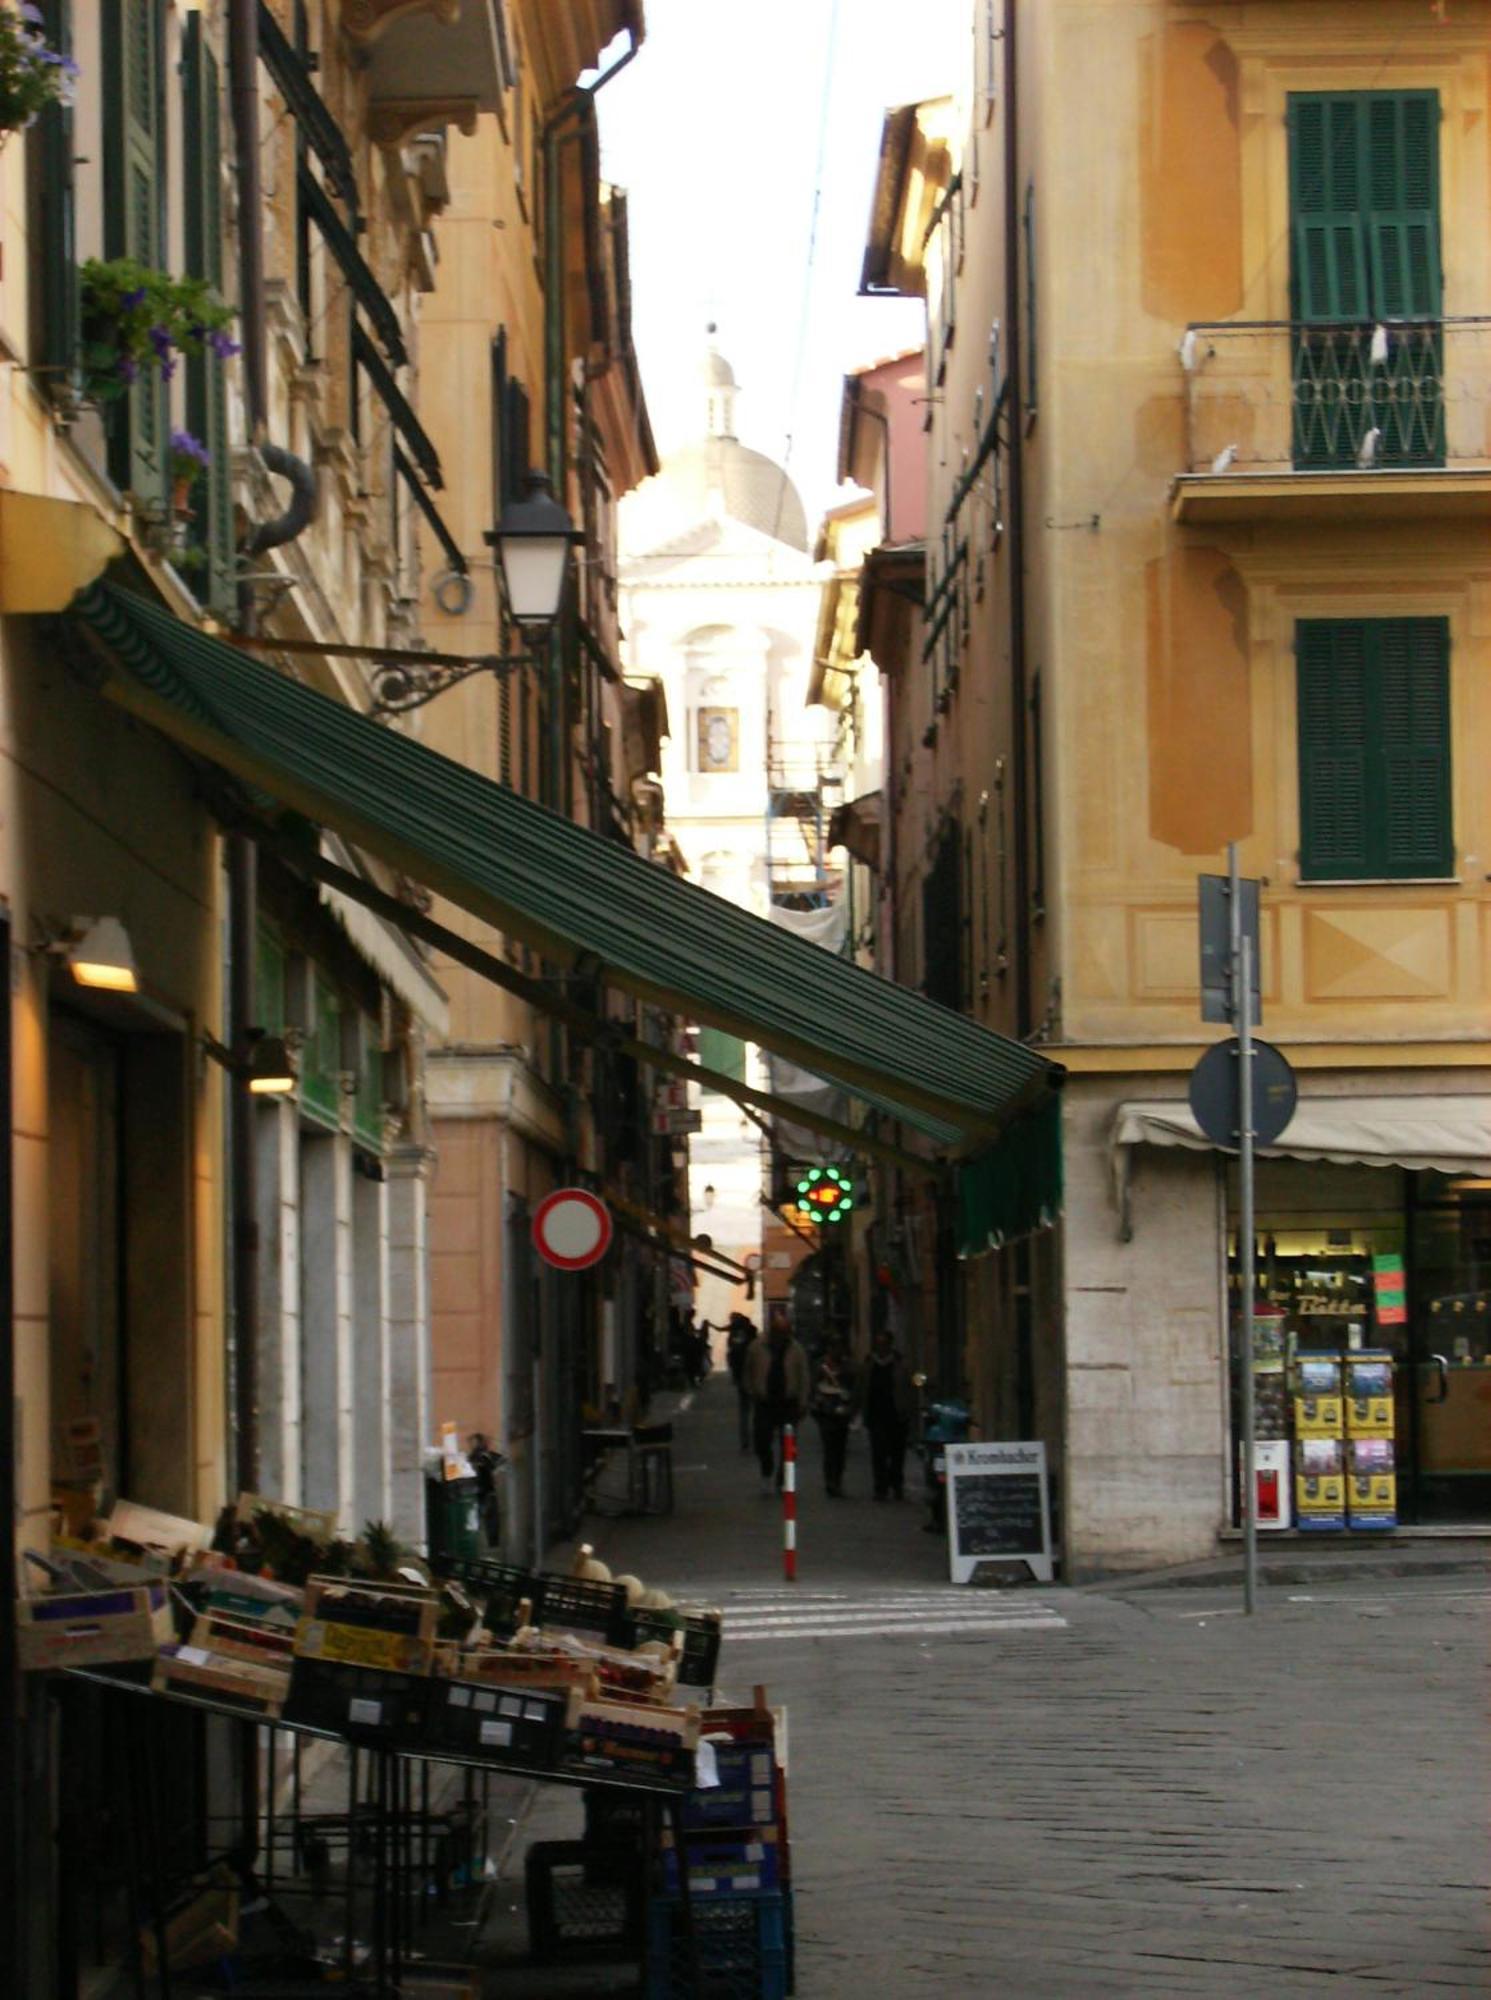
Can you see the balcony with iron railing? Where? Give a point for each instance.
(1300, 420)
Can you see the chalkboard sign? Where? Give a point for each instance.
(997, 1508)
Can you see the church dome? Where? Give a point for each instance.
(720, 475)
(750, 488)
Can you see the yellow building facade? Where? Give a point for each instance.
(1209, 468)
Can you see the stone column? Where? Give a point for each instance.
(408, 1314)
(371, 1470)
(279, 1300)
(326, 1324)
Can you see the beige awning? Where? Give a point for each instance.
(1452, 1135)
(1448, 1135)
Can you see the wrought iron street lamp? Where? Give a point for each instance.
(534, 540)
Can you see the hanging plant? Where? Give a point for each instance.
(190, 458)
(137, 321)
(32, 73)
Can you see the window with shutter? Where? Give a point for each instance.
(51, 235)
(134, 219)
(206, 389)
(1364, 214)
(1374, 749)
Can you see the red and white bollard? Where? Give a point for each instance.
(789, 1502)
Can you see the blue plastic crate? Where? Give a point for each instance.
(740, 1943)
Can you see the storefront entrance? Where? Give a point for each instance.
(1360, 1260)
(1450, 1346)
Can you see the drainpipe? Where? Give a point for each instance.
(1023, 1300)
(243, 865)
(576, 107)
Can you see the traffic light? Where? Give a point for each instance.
(824, 1194)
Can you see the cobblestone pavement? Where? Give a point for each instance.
(1084, 1793)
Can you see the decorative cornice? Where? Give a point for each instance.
(365, 21)
(395, 120)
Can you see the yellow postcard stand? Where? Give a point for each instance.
(1319, 1484)
(1318, 1408)
(1372, 1499)
(1369, 1395)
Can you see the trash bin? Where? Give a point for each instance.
(452, 1518)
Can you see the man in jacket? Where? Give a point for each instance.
(776, 1380)
(887, 1403)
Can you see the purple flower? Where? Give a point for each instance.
(132, 299)
(29, 11)
(160, 340)
(167, 368)
(127, 368)
(185, 445)
(222, 344)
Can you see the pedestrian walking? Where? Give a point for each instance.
(740, 1334)
(833, 1408)
(887, 1402)
(776, 1376)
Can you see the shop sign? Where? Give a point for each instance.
(572, 1229)
(1390, 1297)
(674, 1123)
(998, 1508)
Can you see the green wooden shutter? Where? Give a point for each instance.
(1413, 748)
(206, 389)
(1325, 207)
(1374, 748)
(1402, 201)
(134, 219)
(54, 228)
(1333, 703)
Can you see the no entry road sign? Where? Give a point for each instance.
(572, 1229)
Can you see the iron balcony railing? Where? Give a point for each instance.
(1314, 396)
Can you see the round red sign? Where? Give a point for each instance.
(572, 1229)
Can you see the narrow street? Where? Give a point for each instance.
(1052, 1794)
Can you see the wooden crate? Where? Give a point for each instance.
(90, 1628)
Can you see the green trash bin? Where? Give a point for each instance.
(452, 1519)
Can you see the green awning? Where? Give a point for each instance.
(571, 894)
(1016, 1186)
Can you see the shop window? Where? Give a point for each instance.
(1374, 749)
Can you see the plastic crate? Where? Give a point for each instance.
(516, 1726)
(593, 1610)
(745, 1862)
(746, 1794)
(701, 1641)
(584, 1901)
(366, 1704)
(740, 1944)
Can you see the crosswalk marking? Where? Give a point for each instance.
(783, 1615)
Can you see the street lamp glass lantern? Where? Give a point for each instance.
(534, 539)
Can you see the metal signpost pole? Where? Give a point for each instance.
(1242, 998)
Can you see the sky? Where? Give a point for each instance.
(717, 132)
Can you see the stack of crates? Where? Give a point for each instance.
(739, 1862)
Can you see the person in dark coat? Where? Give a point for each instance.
(833, 1408)
(886, 1403)
(737, 1342)
(776, 1378)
